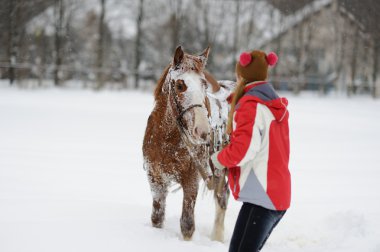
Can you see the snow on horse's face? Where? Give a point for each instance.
(189, 102)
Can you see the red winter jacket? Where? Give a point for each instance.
(258, 154)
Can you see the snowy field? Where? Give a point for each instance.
(71, 177)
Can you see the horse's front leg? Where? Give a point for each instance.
(159, 191)
(190, 192)
(221, 195)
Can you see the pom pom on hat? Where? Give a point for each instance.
(245, 59)
(272, 58)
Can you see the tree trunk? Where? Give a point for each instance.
(58, 41)
(278, 47)
(352, 89)
(205, 7)
(207, 24)
(252, 25)
(176, 24)
(236, 34)
(12, 39)
(138, 43)
(340, 66)
(99, 61)
(300, 61)
(375, 80)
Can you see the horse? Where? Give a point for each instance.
(185, 127)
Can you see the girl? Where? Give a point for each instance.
(258, 154)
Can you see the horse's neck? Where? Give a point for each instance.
(165, 122)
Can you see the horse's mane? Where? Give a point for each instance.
(160, 83)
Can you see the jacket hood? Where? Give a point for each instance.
(264, 93)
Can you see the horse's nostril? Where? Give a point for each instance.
(200, 133)
(204, 136)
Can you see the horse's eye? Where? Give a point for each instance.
(180, 86)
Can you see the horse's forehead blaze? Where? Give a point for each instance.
(194, 91)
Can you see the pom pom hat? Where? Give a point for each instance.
(272, 59)
(245, 59)
(253, 66)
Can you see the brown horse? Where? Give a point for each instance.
(184, 128)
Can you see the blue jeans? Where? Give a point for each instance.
(253, 227)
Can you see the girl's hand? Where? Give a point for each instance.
(219, 168)
(218, 173)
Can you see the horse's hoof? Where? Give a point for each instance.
(217, 236)
(187, 238)
(157, 223)
(157, 220)
(187, 228)
(188, 234)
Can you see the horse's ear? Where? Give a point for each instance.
(204, 55)
(178, 56)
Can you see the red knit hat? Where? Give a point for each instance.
(253, 66)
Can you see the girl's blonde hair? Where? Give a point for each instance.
(238, 93)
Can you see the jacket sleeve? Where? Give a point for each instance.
(245, 139)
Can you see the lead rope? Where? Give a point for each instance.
(221, 187)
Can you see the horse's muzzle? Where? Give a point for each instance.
(200, 133)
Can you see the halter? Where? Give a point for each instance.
(179, 117)
(181, 112)
(206, 176)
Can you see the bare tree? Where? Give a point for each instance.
(12, 38)
(352, 88)
(59, 12)
(375, 80)
(176, 23)
(251, 25)
(300, 61)
(278, 47)
(236, 33)
(205, 10)
(140, 16)
(99, 61)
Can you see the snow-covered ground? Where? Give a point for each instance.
(71, 177)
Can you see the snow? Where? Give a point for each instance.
(72, 178)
